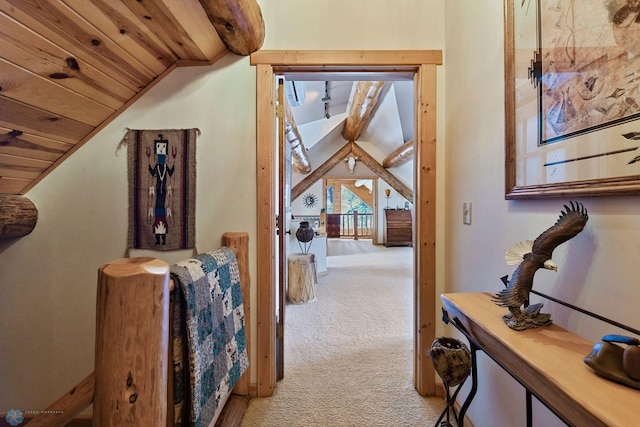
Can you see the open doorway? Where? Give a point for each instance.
(351, 206)
(420, 66)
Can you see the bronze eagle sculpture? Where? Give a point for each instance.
(532, 256)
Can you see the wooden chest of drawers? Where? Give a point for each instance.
(398, 227)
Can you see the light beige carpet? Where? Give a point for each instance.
(349, 353)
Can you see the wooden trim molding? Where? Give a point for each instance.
(419, 65)
(425, 228)
(266, 231)
(372, 60)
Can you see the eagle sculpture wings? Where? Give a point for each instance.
(532, 256)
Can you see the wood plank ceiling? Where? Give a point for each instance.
(69, 67)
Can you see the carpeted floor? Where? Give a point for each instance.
(349, 353)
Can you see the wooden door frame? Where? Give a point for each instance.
(421, 65)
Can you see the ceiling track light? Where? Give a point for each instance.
(326, 100)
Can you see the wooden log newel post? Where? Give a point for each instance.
(18, 216)
(132, 322)
(239, 242)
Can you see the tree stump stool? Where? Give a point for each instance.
(302, 278)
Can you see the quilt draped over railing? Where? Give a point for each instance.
(210, 352)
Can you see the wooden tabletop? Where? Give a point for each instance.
(548, 361)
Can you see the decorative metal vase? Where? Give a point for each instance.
(304, 234)
(451, 359)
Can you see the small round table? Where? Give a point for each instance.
(302, 278)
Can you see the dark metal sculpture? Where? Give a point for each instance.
(532, 256)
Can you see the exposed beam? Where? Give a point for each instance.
(18, 216)
(239, 24)
(299, 155)
(321, 171)
(361, 106)
(365, 158)
(379, 170)
(399, 156)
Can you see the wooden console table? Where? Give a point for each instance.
(547, 361)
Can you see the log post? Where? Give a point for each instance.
(239, 24)
(132, 334)
(18, 216)
(239, 242)
(355, 225)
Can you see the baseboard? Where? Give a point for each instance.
(253, 389)
(79, 421)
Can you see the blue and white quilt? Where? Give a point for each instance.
(209, 312)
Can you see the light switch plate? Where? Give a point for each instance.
(466, 213)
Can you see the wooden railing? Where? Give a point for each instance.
(130, 384)
(67, 406)
(356, 225)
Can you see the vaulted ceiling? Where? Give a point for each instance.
(68, 67)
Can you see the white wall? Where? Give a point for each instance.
(47, 294)
(598, 268)
(49, 277)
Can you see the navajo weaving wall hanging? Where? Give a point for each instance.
(162, 188)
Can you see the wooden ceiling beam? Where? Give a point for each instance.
(18, 216)
(379, 170)
(299, 155)
(321, 171)
(364, 157)
(361, 106)
(399, 156)
(239, 24)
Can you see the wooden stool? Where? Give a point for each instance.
(302, 278)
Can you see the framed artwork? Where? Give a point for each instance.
(572, 98)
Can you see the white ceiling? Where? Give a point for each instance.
(391, 125)
(313, 107)
(339, 92)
